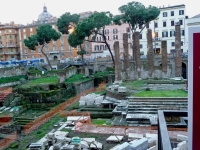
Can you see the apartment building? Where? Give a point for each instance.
(9, 42)
(163, 27)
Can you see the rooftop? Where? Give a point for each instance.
(182, 5)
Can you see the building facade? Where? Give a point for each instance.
(9, 42)
(163, 28)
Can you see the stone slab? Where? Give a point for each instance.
(141, 144)
(116, 138)
(182, 137)
(98, 145)
(133, 136)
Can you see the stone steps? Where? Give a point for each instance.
(142, 112)
(155, 106)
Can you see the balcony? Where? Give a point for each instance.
(163, 136)
(1, 46)
(157, 39)
(12, 45)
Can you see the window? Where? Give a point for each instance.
(128, 29)
(54, 48)
(100, 38)
(156, 34)
(101, 47)
(87, 45)
(164, 34)
(164, 24)
(172, 33)
(0, 37)
(115, 31)
(10, 30)
(31, 29)
(107, 37)
(181, 22)
(47, 48)
(106, 31)
(182, 32)
(25, 57)
(173, 43)
(62, 47)
(164, 14)
(140, 36)
(10, 36)
(11, 42)
(39, 49)
(33, 57)
(129, 36)
(61, 40)
(11, 50)
(115, 37)
(24, 36)
(31, 34)
(25, 50)
(172, 23)
(12, 57)
(147, 25)
(172, 13)
(32, 51)
(106, 47)
(140, 45)
(97, 38)
(101, 31)
(181, 43)
(24, 30)
(96, 47)
(155, 24)
(140, 27)
(181, 12)
(54, 42)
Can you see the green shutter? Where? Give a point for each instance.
(10, 36)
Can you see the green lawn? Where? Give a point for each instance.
(134, 84)
(101, 122)
(45, 80)
(77, 78)
(167, 93)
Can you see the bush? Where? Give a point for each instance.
(4, 80)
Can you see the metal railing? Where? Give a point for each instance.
(163, 136)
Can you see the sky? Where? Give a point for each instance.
(25, 11)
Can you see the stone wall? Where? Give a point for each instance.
(10, 84)
(82, 86)
(115, 94)
(12, 71)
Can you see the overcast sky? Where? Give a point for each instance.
(25, 11)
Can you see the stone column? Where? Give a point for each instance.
(126, 56)
(137, 53)
(150, 52)
(164, 56)
(118, 77)
(178, 59)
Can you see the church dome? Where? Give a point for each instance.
(45, 15)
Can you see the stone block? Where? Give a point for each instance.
(153, 148)
(182, 137)
(114, 138)
(84, 144)
(97, 145)
(124, 146)
(122, 89)
(81, 103)
(133, 136)
(149, 135)
(141, 144)
(151, 142)
(98, 99)
(182, 145)
(114, 87)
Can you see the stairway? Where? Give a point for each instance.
(144, 112)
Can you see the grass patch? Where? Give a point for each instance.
(134, 84)
(46, 80)
(4, 80)
(101, 122)
(66, 130)
(77, 78)
(102, 73)
(167, 93)
(101, 92)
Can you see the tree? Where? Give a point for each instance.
(137, 16)
(91, 27)
(45, 34)
(81, 52)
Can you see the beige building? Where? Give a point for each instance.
(9, 42)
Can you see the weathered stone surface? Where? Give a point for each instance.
(141, 144)
(133, 136)
(117, 62)
(137, 53)
(182, 137)
(150, 52)
(164, 56)
(126, 56)
(178, 59)
(116, 138)
(122, 89)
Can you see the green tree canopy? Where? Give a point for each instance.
(92, 26)
(67, 20)
(136, 15)
(45, 34)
